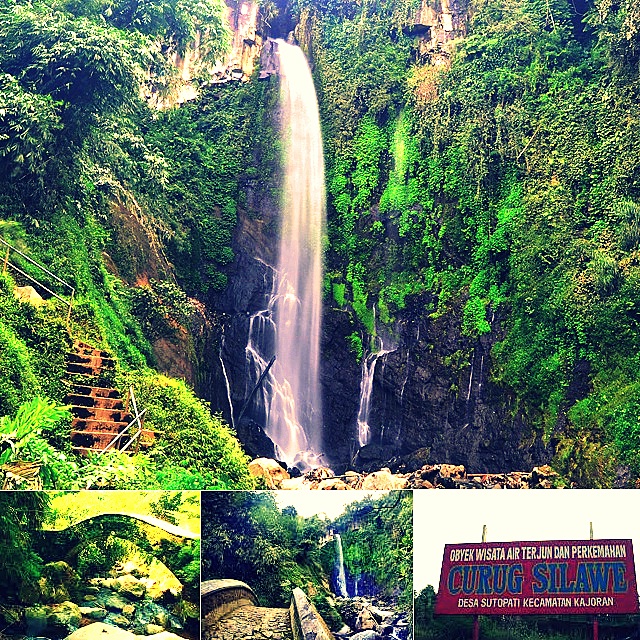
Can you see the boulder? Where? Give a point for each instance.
(293, 484)
(152, 629)
(65, 615)
(59, 582)
(119, 620)
(318, 474)
(28, 295)
(383, 480)
(353, 479)
(129, 586)
(161, 582)
(93, 613)
(114, 602)
(366, 635)
(162, 619)
(451, 471)
(105, 583)
(334, 484)
(131, 567)
(366, 621)
(380, 614)
(101, 631)
(543, 477)
(270, 470)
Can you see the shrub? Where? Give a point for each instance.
(189, 437)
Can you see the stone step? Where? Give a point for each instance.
(84, 348)
(97, 426)
(102, 414)
(98, 402)
(92, 360)
(96, 392)
(75, 368)
(95, 441)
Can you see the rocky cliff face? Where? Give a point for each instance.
(432, 393)
(438, 23)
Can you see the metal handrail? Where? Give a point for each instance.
(123, 433)
(10, 248)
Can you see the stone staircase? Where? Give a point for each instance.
(98, 409)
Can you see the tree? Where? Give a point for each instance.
(21, 513)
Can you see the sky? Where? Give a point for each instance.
(331, 503)
(448, 516)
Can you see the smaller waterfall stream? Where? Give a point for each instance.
(366, 391)
(228, 386)
(341, 577)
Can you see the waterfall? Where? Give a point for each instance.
(366, 391)
(227, 384)
(295, 412)
(341, 577)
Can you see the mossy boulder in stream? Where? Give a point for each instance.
(52, 620)
(59, 582)
(128, 585)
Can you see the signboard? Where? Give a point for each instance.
(553, 577)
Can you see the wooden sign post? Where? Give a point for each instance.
(476, 618)
(595, 617)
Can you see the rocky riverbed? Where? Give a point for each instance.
(428, 476)
(368, 618)
(137, 600)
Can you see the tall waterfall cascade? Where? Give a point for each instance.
(290, 325)
(341, 578)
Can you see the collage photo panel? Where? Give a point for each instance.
(319, 319)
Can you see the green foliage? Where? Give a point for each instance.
(25, 438)
(28, 125)
(188, 435)
(77, 146)
(160, 308)
(505, 185)
(92, 68)
(98, 557)
(173, 23)
(215, 150)
(246, 537)
(355, 345)
(20, 514)
(18, 380)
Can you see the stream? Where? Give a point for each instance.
(137, 599)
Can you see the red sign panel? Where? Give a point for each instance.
(554, 577)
